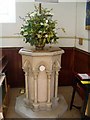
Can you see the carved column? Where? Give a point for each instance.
(48, 94)
(26, 84)
(57, 68)
(26, 70)
(35, 104)
(56, 85)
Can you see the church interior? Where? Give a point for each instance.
(45, 83)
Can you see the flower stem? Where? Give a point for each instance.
(40, 8)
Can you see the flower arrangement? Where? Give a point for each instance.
(39, 27)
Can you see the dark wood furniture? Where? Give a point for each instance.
(5, 86)
(83, 89)
(15, 71)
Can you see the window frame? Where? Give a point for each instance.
(8, 16)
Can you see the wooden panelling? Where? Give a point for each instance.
(73, 60)
(15, 72)
(82, 61)
(67, 66)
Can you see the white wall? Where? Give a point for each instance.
(64, 13)
(81, 31)
(1, 34)
(1, 39)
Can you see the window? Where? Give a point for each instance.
(7, 11)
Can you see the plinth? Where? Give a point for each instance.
(41, 77)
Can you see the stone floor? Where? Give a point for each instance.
(65, 91)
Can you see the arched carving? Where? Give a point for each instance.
(56, 69)
(27, 66)
(56, 66)
(28, 70)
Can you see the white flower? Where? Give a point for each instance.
(25, 33)
(46, 35)
(46, 21)
(52, 40)
(39, 14)
(40, 31)
(41, 23)
(32, 15)
(51, 14)
(22, 29)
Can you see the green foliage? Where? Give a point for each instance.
(39, 28)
